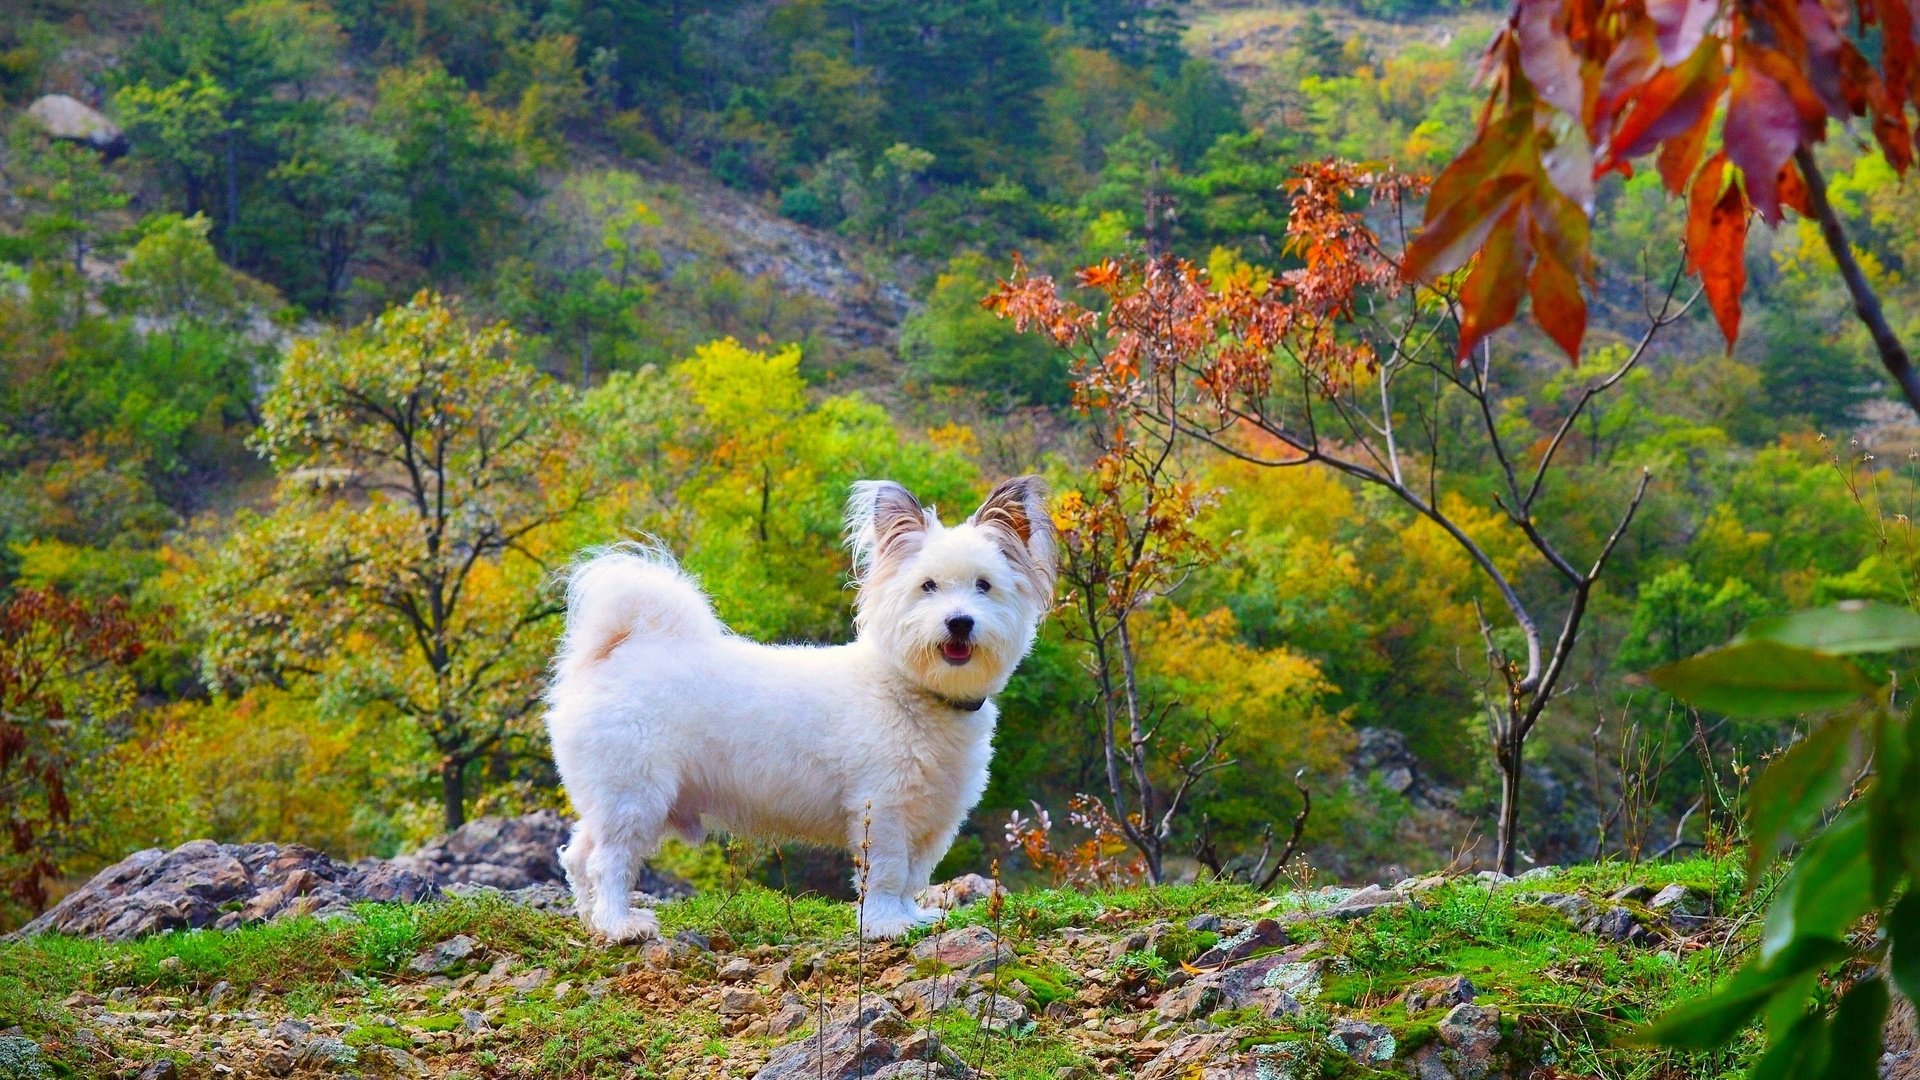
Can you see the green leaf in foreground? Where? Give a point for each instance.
(1763, 679)
(1851, 626)
(1857, 1026)
(1714, 1021)
(1828, 889)
(1795, 790)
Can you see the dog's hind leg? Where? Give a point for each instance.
(573, 860)
(617, 847)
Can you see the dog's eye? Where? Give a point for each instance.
(983, 585)
(929, 585)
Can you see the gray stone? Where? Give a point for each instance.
(443, 957)
(970, 950)
(511, 853)
(924, 997)
(1190, 1001)
(67, 118)
(854, 1045)
(1185, 1057)
(998, 1012)
(1264, 934)
(1365, 902)
(1204, 923)
(163, 1069)
(1634, 894)
(1362, 1041)
(736, 1002)
(1473, 1034)
(1681, 900)
(961, 891)
(1578, 909)
(326, 1053)
(1441, 993)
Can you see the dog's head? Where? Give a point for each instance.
(956, 607)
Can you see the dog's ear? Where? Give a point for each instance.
(884, 521)
(1017, 511)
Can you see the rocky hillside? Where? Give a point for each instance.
(1435, 978)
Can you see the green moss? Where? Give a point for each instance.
(1048, 983)
(439, 1022)
(377, 1035)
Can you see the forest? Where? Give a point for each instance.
(331, 331)
(229, 613)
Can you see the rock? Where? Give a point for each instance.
(327, 1054)
(786, 1019)
(961, 891)
(1473, 1034)
(1441, 993)
(1538, 873)
(736, 1002)
(163, 1069)
(924, 997)
(1368, 1043)
(1186, 1057)
(201, 883)
(22, 1059)
(855, 1044)
(1365, 902)
(1619, 924)
(1680, 898)
(1630, 894)
(970, 950)
(1264, 934)
(443, 957)
(510, 853)
(1209, 924)
(473, 1020)
(1189, 1001)
(997, 1012)
(67, 118)
(1578, 909)
(737, 969)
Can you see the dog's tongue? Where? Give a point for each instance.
(956, 652)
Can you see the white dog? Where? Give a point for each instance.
(660, 717)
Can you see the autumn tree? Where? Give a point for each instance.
(1337, 365)
(423, 469)
(1730, 100)
(63, 679)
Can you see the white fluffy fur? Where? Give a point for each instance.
(661, 717)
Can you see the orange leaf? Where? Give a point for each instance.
(1451, 238)
(1680, 155)
(1717, 242)
(1762, 129)
(1491, 294)
(1671, 102)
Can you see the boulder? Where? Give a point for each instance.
(1472, 1033)
(1264, 934)
(961, 891)
(858, 1044)
(67, 118)
(512, 853)
(201, 883)
(970, 950)
(1365, 1042)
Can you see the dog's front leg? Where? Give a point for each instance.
(884, 877)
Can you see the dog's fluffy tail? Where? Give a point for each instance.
(628, 591)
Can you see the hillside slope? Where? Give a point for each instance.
(1437, 978)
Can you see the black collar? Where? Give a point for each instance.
(961, 704)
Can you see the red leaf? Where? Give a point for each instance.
(1547, 57)
(1793, 190)
(1680, 155)
(1761, 133)
(1681, 24)
(1671, 102)
(1491, 294)
(1557, 304)
(1632, 61)
(1447, 241)
(1717, 242)
(1896, 45)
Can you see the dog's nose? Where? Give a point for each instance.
(960, 626)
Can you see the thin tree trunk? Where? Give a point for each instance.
(453, 791)
(1866, 304)
(1509, 759)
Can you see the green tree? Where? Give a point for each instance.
(342, 182)
(423, 469)
(459, 172)
(953, 341)
(70, 195)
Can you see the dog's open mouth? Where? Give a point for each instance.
(956, 652)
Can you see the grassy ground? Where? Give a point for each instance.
(539, 998)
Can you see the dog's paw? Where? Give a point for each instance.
(637, 925)
(881, 921)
